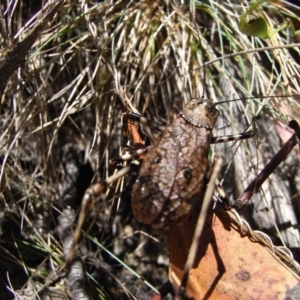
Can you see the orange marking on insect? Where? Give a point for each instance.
(138, 141)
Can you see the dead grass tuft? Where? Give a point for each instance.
(60, 122)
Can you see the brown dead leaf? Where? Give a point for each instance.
(228, 265)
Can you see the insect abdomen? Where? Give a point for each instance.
(172, 175)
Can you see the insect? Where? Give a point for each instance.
(172, 174)
(173, 171)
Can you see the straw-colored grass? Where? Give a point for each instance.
(61, 122)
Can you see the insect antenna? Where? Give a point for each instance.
(256, 97)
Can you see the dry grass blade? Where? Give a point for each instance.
(14, 54)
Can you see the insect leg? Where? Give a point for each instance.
(88, 199)
(138, 118)
(241, 136)
(128, 126)
(139, 149)
(129, 156)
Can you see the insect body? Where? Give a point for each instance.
(173, 171)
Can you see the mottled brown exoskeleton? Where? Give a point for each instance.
(173, 170)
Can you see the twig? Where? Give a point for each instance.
(295, 126)
(279, 157)
(201, 220)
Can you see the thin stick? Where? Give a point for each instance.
(265, 173)
(295, 126)
(201, 220)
